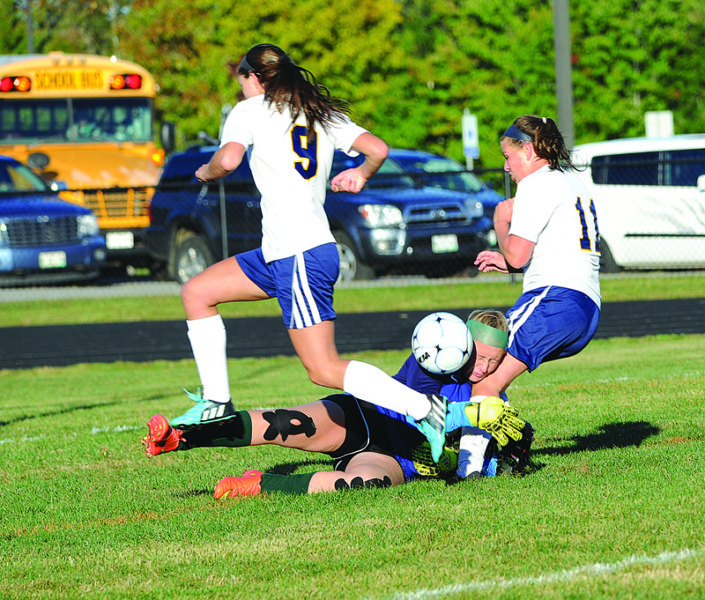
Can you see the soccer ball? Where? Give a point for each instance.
(441, 343)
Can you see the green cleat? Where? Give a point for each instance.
(433, 425)
(205, 411)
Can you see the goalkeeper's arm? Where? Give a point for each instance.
(489, 413)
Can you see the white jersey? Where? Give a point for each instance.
(554, 210)
(291, 176)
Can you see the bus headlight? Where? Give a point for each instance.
(87, 225)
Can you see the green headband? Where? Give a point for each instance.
(488, 335)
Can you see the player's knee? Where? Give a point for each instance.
(189, 292)
(326, 374)
(194, 294)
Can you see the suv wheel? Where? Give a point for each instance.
(351, 267)
(191, 257)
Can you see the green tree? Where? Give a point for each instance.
(636, 56)
(13, 28)
(493, 57)
(409, 67)
(346, 46)
(84, 26)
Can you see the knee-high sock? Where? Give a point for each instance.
(373, 385)
(296, 483)
(232, 432)
(208, 343)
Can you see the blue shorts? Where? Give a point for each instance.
(302, 284)
(550, 323)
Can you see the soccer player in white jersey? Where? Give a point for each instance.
(549, 231)
(290, 126)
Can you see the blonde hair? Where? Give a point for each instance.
(492, 318)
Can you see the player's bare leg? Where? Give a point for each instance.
(222, 282)
(365, 470)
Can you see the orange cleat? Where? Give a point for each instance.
(247, 485)
(162, 437)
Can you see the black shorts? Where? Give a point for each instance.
(365, 430)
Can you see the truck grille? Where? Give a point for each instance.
(118, 202)
(41, 231)
(433, 215)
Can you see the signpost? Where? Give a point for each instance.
(471, 139)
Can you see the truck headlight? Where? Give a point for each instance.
(381, 215)
(87, 225)
(475, 208)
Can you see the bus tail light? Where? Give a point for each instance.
(15, 84)
(126, 81)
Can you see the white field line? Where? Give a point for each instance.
(93, 431)
(569, 575)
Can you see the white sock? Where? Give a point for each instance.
(208, 343)
(471, 457)
(373, 385)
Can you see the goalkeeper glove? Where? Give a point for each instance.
(489, 413)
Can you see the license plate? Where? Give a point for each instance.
(444, 243)
(52, 260)
(120, 240)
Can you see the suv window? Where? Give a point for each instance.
(389, 174)
(181, 169)
(685, 167)
(15, 177)
(678, 167)
(626, 169)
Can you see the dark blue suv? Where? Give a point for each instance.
(43, 239)
(391, 227)
(435, 170)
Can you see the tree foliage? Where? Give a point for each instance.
(409, 67)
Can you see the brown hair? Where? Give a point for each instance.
(547, 140)
(286, 84)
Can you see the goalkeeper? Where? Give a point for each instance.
(482, 431)
(370, 446)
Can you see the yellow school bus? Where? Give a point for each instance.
(87, 124)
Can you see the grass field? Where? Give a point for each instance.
(453, 293)
(614, 508)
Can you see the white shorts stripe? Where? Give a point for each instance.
(313, 307)
(296, 316)
(519, 316)
(304, 311)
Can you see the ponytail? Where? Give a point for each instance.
(547, 140)
(288, 85)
